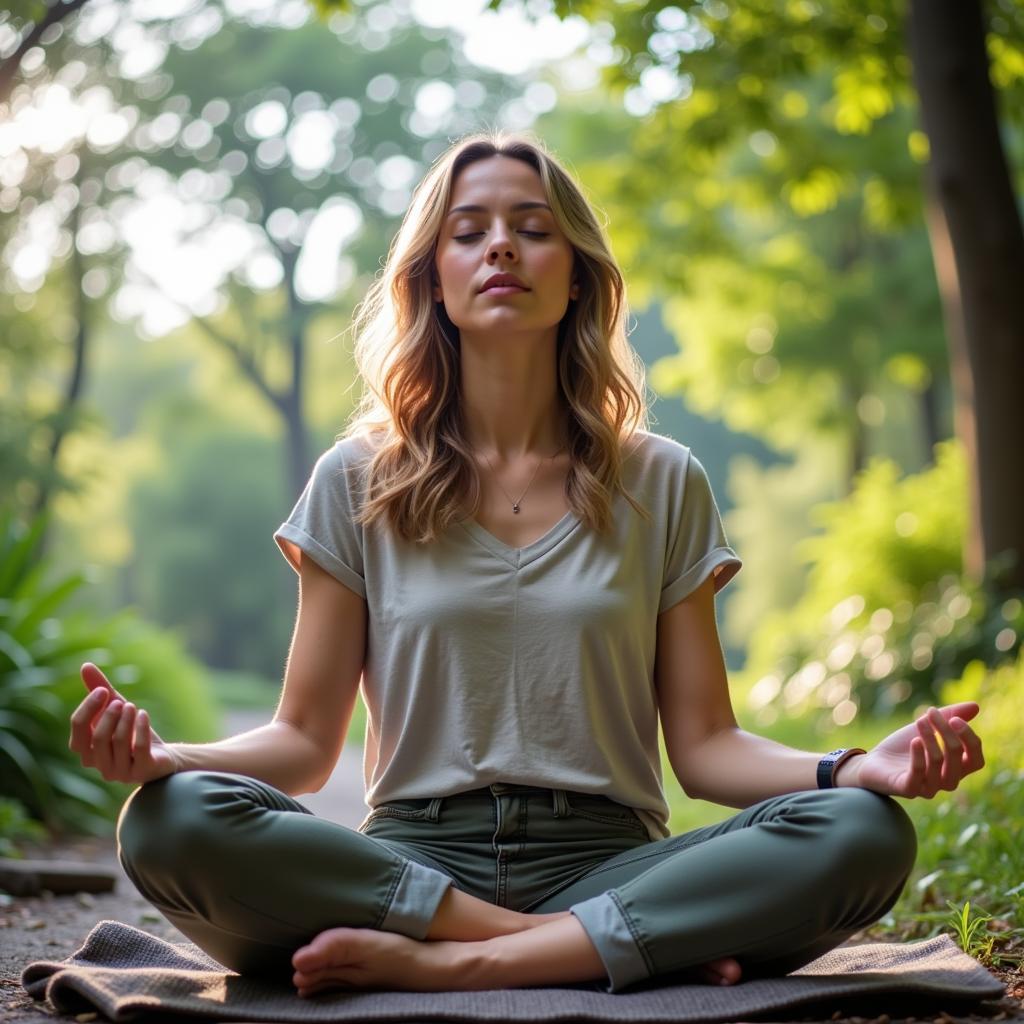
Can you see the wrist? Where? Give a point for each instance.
(848, 773)
(177, 757)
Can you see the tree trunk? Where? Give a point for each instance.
(930, 425)
(64, 417)
(972, 186)
(297, 448)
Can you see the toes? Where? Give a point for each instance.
(327, 948)
(726, 971)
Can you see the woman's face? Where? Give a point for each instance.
(498, 221)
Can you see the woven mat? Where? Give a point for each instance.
(127, 974)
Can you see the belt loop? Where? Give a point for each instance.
(560, 803)
(434, 809)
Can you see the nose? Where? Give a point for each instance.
(501, 245)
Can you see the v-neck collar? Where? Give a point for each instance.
(518, 557)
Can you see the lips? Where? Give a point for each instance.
(503, 281)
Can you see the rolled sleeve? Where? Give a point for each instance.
(322, 526)
(699, 547)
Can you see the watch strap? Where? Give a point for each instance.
(831, 761)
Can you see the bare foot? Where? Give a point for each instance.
(365, 958)
(368, 959)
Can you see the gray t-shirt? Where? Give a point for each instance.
(535, 665)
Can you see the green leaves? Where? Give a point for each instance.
(42, 647)
(886, 617)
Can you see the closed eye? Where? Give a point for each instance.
(531, 234)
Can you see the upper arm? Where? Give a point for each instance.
(325, 662)
(690, 677)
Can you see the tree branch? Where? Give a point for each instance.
(9, 67)
(244, 359)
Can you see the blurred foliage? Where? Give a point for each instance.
(41, 652)
(753, 54)
(768, 513)
(787, 321)
(886, 617)
(208, 565)
(34, 357)
(15, 826)
(246, 691)
(969, 846)
(766, 178)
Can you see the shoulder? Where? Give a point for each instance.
(341, 469)
(648, 453)
(347, 453)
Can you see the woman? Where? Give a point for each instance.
(477, 553)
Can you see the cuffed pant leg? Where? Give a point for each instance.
(775, 886)
(249, 874)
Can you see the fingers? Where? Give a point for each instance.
(83, 719)
(960, 754)
(932, 776)
(142, 742)
(95, 679)
(964, 710)
(121, 743)
(104, 737)
(974, 757)
(952, 766)
(143, 735)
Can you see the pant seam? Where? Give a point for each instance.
(640, 857)
(733, 950)
(260, 913)
(390, 897)
(635, 935)
(169, 911)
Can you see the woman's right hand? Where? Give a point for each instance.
(112, 735)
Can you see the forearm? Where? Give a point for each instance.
(276, 753)
(738, 768)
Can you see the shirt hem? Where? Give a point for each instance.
(288, 535)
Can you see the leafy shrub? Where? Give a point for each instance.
(969, 848)
(887, 617)
(40, 685)
(15, 824)
(205, 562)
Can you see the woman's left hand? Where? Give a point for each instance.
(910, 761)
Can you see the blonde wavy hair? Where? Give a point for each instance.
(422, 475)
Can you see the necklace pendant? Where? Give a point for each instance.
(515, 508)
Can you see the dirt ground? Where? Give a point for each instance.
(52, 927)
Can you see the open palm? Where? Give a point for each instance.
(910, 762)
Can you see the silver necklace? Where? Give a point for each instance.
(515, 504)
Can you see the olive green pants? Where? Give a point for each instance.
(249, 874)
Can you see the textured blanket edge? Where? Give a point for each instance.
(87, 981)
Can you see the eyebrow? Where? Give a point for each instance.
(472, 208)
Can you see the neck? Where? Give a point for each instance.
(512, 407)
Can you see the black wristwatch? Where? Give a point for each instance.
(831, 761)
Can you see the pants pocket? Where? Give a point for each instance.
(605, 811)
(421, 809)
